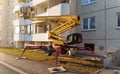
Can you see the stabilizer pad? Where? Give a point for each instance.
(53, 70)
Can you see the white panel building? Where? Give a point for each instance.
(34, 32)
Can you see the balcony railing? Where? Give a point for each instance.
(22, 37)
(49, 3)
(36, 2)
(21, 21)
(40, 37)
(34, 37)
(60, 9)
(18, 22)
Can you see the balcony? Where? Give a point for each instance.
(40, 37)
(22, 37)
(34, 37)
(35, 2)
(27, 22)
(17, 7)
(21, 21)
(18, 22)
(47, 2)
(60, 9)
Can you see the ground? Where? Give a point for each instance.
(84, 64)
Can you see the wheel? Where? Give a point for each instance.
(48, 50)
(63, 51)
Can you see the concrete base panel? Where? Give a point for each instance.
(54, 70)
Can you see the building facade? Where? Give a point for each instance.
(100, 22)
(6, 27)
(0, 21)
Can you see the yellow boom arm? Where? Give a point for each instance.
(66, 23)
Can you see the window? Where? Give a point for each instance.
(32, 28)
(85, 2)
(90, 45)
(118, 20)
(29, 29)
(23, 29)
(89, 23)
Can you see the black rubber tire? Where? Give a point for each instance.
(48, 50)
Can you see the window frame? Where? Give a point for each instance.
(23, 29)
(29, 29)
(88, 2)
(118, 25)
(88, 24)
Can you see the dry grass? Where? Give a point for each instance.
(87, 66)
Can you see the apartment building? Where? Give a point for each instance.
(6, 26)
(35, 32)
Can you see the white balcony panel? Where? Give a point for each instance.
(35, 37)
(27, 22)
(36, 2)
(18, 22)
(40, 37)
(21, 21)
(65, 9)
(22, 37)
(17, 37)
(17, 7)
(61, 9)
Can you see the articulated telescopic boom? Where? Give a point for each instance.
(65, 23)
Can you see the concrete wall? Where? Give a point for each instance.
(84, 9)
(113, 32)
(97, 36)
(73, 7)
(107, 34)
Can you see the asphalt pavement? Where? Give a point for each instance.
(10, 64)
(7, 70)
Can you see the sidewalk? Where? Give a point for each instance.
(29, 66)
(108, 71)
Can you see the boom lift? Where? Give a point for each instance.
(63, 43)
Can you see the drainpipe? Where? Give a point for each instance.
(105, 30)
(105, 57)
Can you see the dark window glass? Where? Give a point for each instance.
(85, 24)
(92, 23)
(91, 45)
(119, 20)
